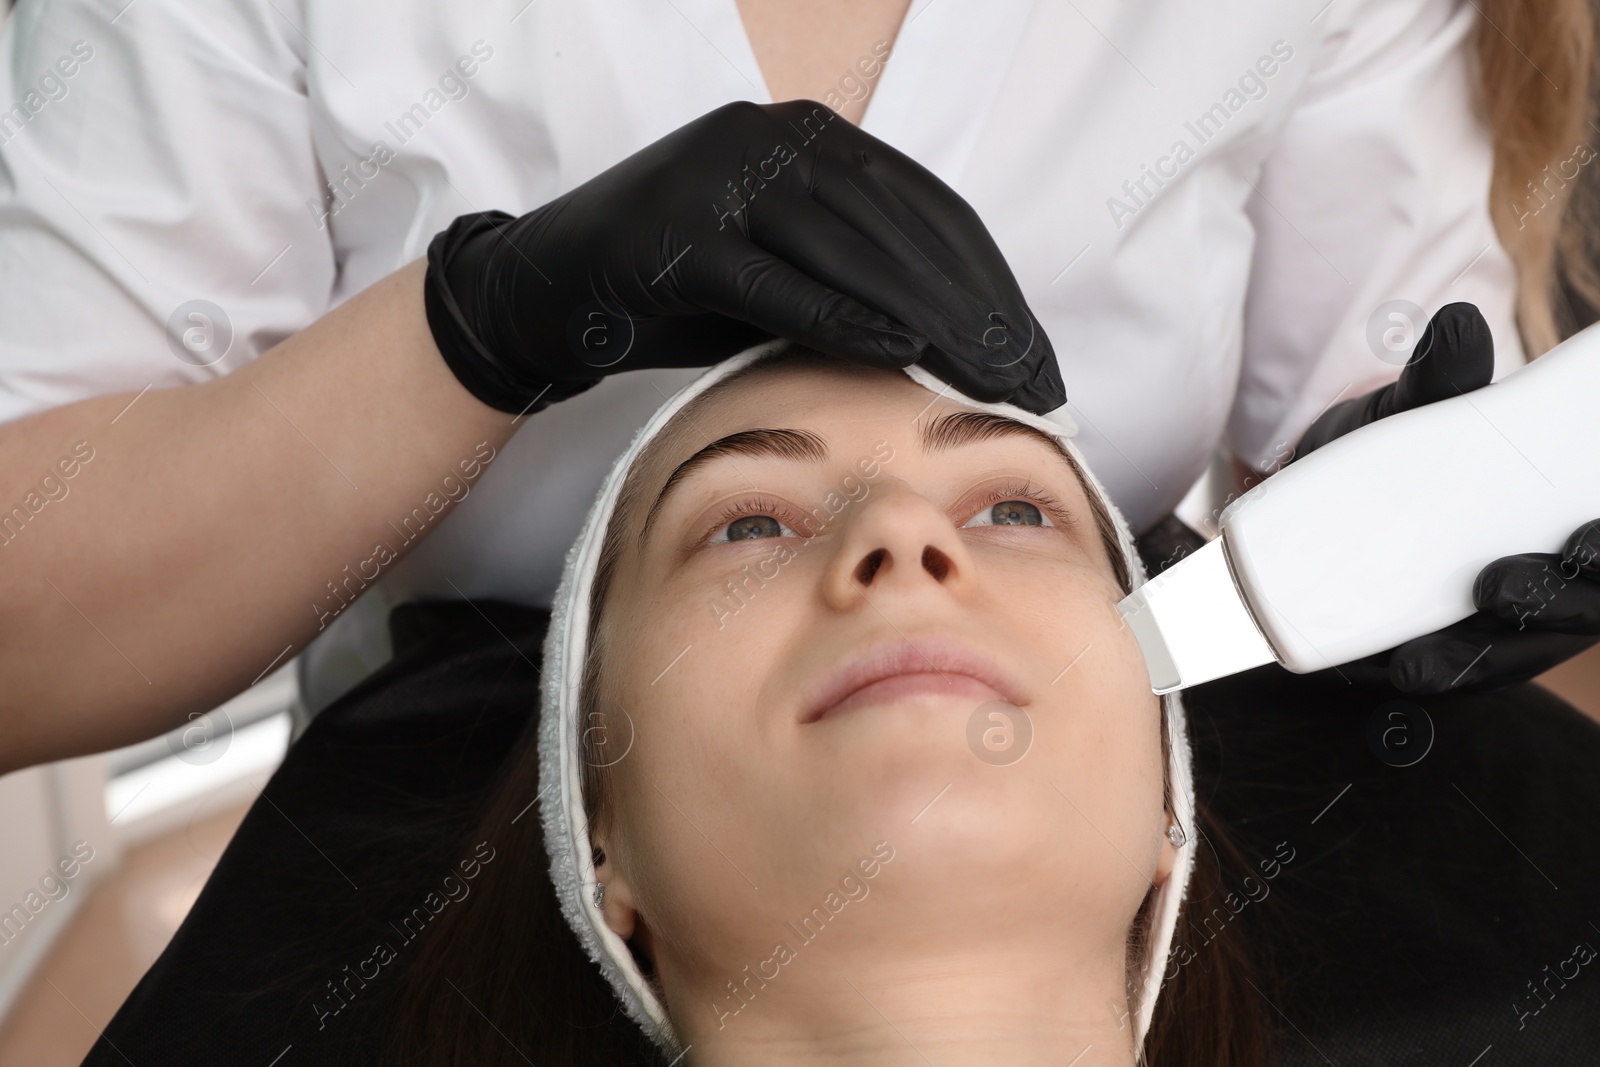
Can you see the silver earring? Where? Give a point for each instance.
(599, 894)
(1176, 835)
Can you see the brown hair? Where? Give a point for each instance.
(504, 980)
(1535, 84)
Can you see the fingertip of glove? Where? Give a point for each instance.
(1040, 398)
(1407, 675)
(1488, 588)
(1463, 331)
(1441, 668)
(1583, 547)
(901, 348)
(876, 341)
(1046, 391)
(1463, 315)
(1471, 330)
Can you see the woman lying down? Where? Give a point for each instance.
(846, 756)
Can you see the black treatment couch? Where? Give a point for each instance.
(1436, 882)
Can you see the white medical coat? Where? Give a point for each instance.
(1206, 205)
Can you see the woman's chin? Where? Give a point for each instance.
(970, 858)
(931, 793)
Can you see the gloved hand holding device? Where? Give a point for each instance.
(751, 221)
(1535, 609)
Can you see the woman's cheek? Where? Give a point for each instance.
(699, 646)
(1097, 625)
(1077, 608)
(1107, 669)
(1130, 661)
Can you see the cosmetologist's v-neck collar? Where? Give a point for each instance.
(931, 99)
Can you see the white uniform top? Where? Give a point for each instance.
(1208, 207)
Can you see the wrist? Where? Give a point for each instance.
(462, 307)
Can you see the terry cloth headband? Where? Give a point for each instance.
(566, 824)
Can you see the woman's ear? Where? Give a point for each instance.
(617, 904)
(1168, 857)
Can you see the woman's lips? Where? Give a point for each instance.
(911, 686)
(907, 668)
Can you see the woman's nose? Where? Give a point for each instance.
(895, 539)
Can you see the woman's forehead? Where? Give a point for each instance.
(822, 391)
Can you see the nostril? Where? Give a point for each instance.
(869, 565)
(935, 563)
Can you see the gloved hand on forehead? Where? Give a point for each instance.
(1535, 609)
(750, 222)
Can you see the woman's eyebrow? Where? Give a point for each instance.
(956, 428)
(952, 429)
(799, 445)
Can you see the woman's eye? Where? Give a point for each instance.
(750, 528)
(1010, 513)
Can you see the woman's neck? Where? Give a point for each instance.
(1015, 1005)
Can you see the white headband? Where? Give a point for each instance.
(566, 824)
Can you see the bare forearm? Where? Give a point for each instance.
(201, 527)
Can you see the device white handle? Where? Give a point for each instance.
(1378, 536)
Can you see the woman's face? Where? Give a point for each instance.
(826, 527)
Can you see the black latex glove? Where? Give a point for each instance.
(1535, 609)
(752, 221)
